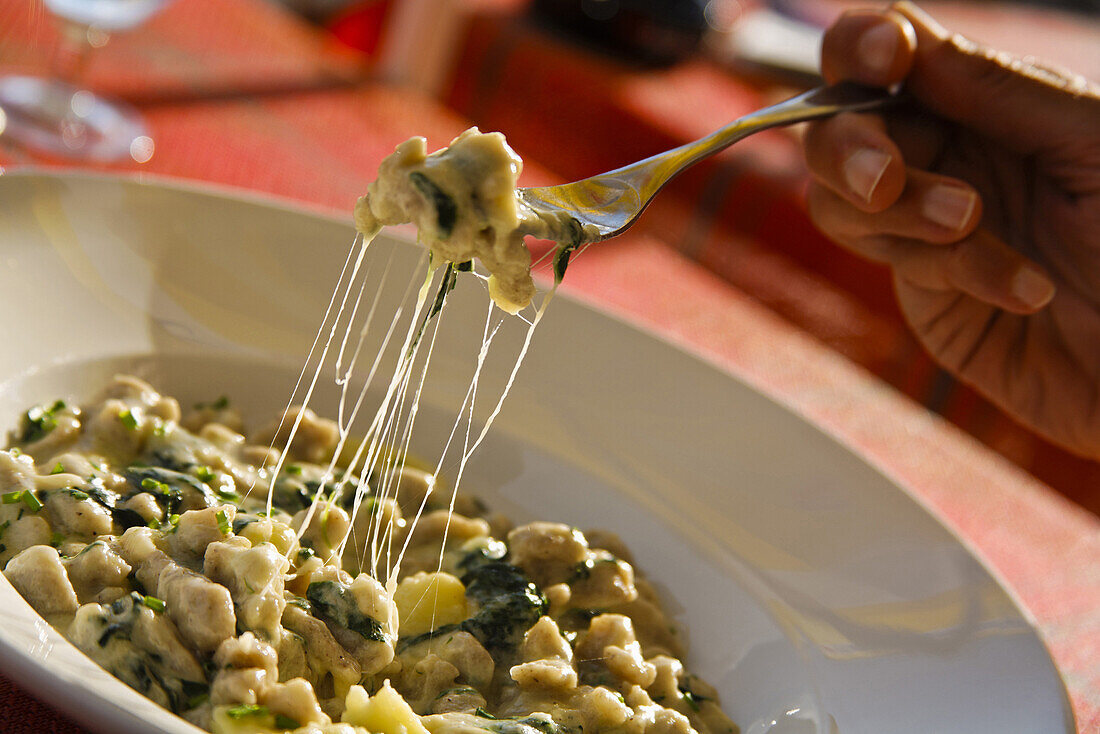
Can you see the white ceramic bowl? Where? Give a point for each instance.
(819, 596)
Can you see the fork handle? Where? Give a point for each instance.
(650, 175)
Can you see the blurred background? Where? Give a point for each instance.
(302, 98)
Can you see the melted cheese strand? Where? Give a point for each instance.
(384, 407)
(486, 341)
(317, 373)
(382, 445)
(309, 355)
(508, 386)
(468, 399)
(407, 439)
(348, 471)
(340, 375)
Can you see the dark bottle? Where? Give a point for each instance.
(649, 32)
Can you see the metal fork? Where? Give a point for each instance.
(609, 203)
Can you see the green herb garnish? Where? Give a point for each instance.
(57, 469)
(205, 474)
(246, 709)
(293, 469)
(155, 486)
(223, 522)
(157, 605)
(56, 539)
(25, 496)
(128, 419)
(31, 501)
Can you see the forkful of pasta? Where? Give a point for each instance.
(465, 202)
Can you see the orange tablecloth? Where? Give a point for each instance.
(238, 93)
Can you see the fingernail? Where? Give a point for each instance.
(877, 47)
(949, 206)
(863, 169)
(1032, 287)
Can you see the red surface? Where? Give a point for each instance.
(238, 93)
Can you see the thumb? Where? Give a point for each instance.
(1027, 106)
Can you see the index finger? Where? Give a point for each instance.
(869, 46)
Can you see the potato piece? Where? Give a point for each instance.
(386, 712)
(426, 601)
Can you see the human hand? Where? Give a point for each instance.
(983, 195)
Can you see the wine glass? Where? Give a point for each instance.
(51, 115)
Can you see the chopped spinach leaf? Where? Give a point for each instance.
(282, 721)
(691, 698)
(168, 486)
(333, 601)
(509, 603)
(220, 404)
(227, 496)
(525, 725)
(127, 518)
(198, 699)
(39, 421)
(446, 210)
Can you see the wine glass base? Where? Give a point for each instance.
(48, 116)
